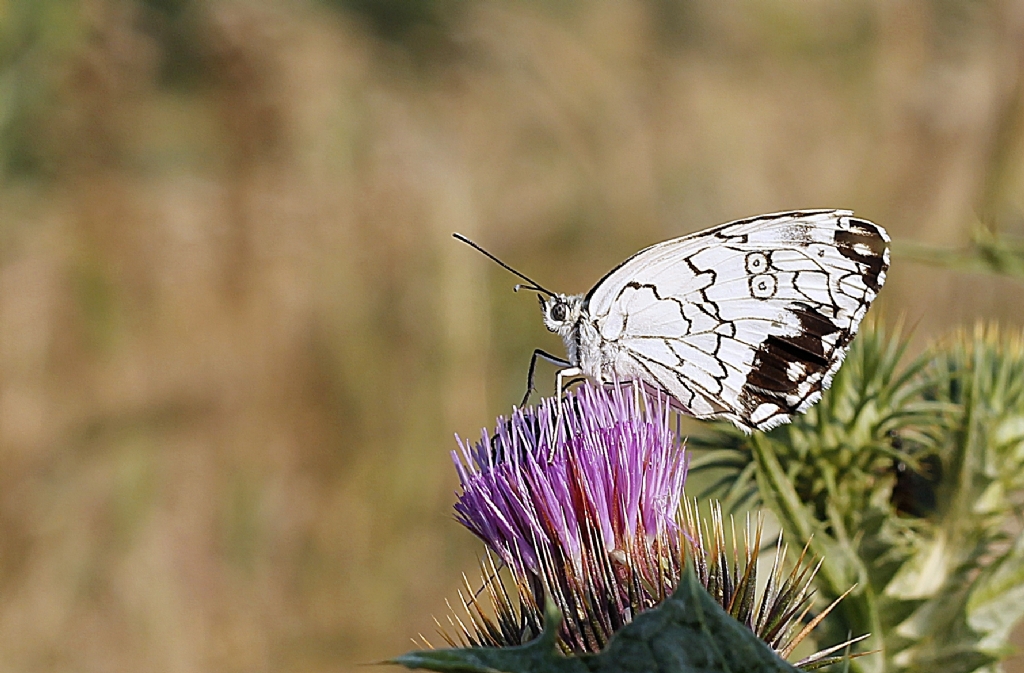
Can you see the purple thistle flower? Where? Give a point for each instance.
(582, 504)
(584, 511)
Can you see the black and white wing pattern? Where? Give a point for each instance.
(748, 321)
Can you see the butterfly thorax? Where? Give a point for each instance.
(567, 316)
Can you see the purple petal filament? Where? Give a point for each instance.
(609, 477)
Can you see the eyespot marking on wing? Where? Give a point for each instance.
(756, 262)
(763, 286)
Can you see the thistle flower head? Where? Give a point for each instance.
(579, 502)
(580, 498)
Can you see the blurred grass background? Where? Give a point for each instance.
(236, 336)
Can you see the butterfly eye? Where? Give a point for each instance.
(558, 312)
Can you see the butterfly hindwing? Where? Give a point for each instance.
(748, 321)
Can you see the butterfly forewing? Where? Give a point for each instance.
(748, 321)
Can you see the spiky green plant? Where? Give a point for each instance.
(911, 480)
(778, 614)
(578, 501)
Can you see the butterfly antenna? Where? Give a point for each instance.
(533, 286)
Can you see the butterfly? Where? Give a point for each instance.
(748, 321)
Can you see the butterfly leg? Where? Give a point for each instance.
(492, 576)
(538, 353)
(570, 382)
(562, 374)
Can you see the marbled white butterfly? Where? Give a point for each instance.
(747, 321)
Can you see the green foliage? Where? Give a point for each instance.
(989, 252)
(63, 64)
(34, 36)
(689, 632)
(424, 27)
(910, 480)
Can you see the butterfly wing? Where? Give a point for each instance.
(748, 321)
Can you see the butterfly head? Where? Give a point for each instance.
(561, 312)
